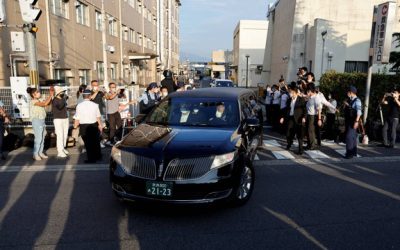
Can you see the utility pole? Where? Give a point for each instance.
(247, 71)
(30, 14)
(104, 45)
(323, 34)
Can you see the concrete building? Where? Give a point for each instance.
(295, 37)
(218, 64)
(136, 36)
(249, 44)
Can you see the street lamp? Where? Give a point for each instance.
(323, 34)
(247, 71)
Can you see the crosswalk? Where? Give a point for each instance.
(274, 149)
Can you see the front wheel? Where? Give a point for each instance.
(244, 189)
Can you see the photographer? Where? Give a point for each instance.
(61, 121)
(150, 98)
(391, 100)
(114, 117)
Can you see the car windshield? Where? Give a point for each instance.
(195, 112)
(224, 84)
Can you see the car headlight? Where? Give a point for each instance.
(222, 160)
(116, 155)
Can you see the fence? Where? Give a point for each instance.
(134, 93)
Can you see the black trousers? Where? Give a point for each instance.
(91, 137)
(311, 134)
(115, 124)
(330, 127)
(2, 129)
(275, 116)
(390, 125)
(294, 129)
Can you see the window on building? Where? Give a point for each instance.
(60, 8)
(99, 20)
(356, 66)
(125, 33)
(59, 74)
(84, 76)
(82, 13)
(132, 36)
(145, 42)
(112, 26)
(114, 71)
(100, 70)
(139, 37)
(139, 6)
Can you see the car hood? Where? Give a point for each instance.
(180, 142)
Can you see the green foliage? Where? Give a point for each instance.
(339, 83)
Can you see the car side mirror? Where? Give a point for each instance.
(140, 118)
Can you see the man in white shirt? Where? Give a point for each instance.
(276, 104)
(313, 109)
(88, 119)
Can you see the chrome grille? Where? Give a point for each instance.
(139, 166)
(188, 169)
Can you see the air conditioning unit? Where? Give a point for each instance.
(126, 29)
(77, 4)
(111, 49)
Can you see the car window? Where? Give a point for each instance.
(201, 112)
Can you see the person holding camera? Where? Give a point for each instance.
(61, 121)
(113, 114)
(391, 100)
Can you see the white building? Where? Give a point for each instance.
(295, 37)
(249, 44)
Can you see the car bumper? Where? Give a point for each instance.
(211, 188)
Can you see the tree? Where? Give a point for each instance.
(395, 55)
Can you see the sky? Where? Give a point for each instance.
(208, 25)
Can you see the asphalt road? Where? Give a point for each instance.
(294, 206)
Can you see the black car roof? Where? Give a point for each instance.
(231, 93)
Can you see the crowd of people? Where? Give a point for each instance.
(296, 109)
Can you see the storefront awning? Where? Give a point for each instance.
(142, 56)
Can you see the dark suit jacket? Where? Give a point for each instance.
(300, 110)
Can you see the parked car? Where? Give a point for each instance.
(194, 147)
(222, 83)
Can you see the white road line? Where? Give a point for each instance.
(342, 152)
(316, 154)
(271, 143)
(283, 155)
(54, 168)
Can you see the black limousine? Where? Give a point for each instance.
(193, 147)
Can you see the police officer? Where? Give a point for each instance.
(88, 119)
(150, 98)
(352, 118)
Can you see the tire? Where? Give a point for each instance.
(243, 190)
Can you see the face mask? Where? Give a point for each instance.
(218, 114)
(184, 110)
(164, 94)
(349, 95)
(113, 89)
(253, 102)
(329, 97)
(95, 88)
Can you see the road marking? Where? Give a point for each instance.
(256, 157)
(342, 152)
(54, 168)
(271, 143)
(283, 155)
(316, 154)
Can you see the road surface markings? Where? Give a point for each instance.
(316, 154)
(342, 152)
(256, 157)
(271, 143)
(283, 155)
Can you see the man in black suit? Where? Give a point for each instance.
(295, 117)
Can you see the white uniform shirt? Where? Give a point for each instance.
(87, 112)
(313, 105)
(277, 98)
(268, 98)
(333, 102)
(284, 99)
(323, 102)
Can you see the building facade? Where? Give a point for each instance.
(321, 35)
(248, 52)
(109, 40)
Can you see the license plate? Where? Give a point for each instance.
(163, 189)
